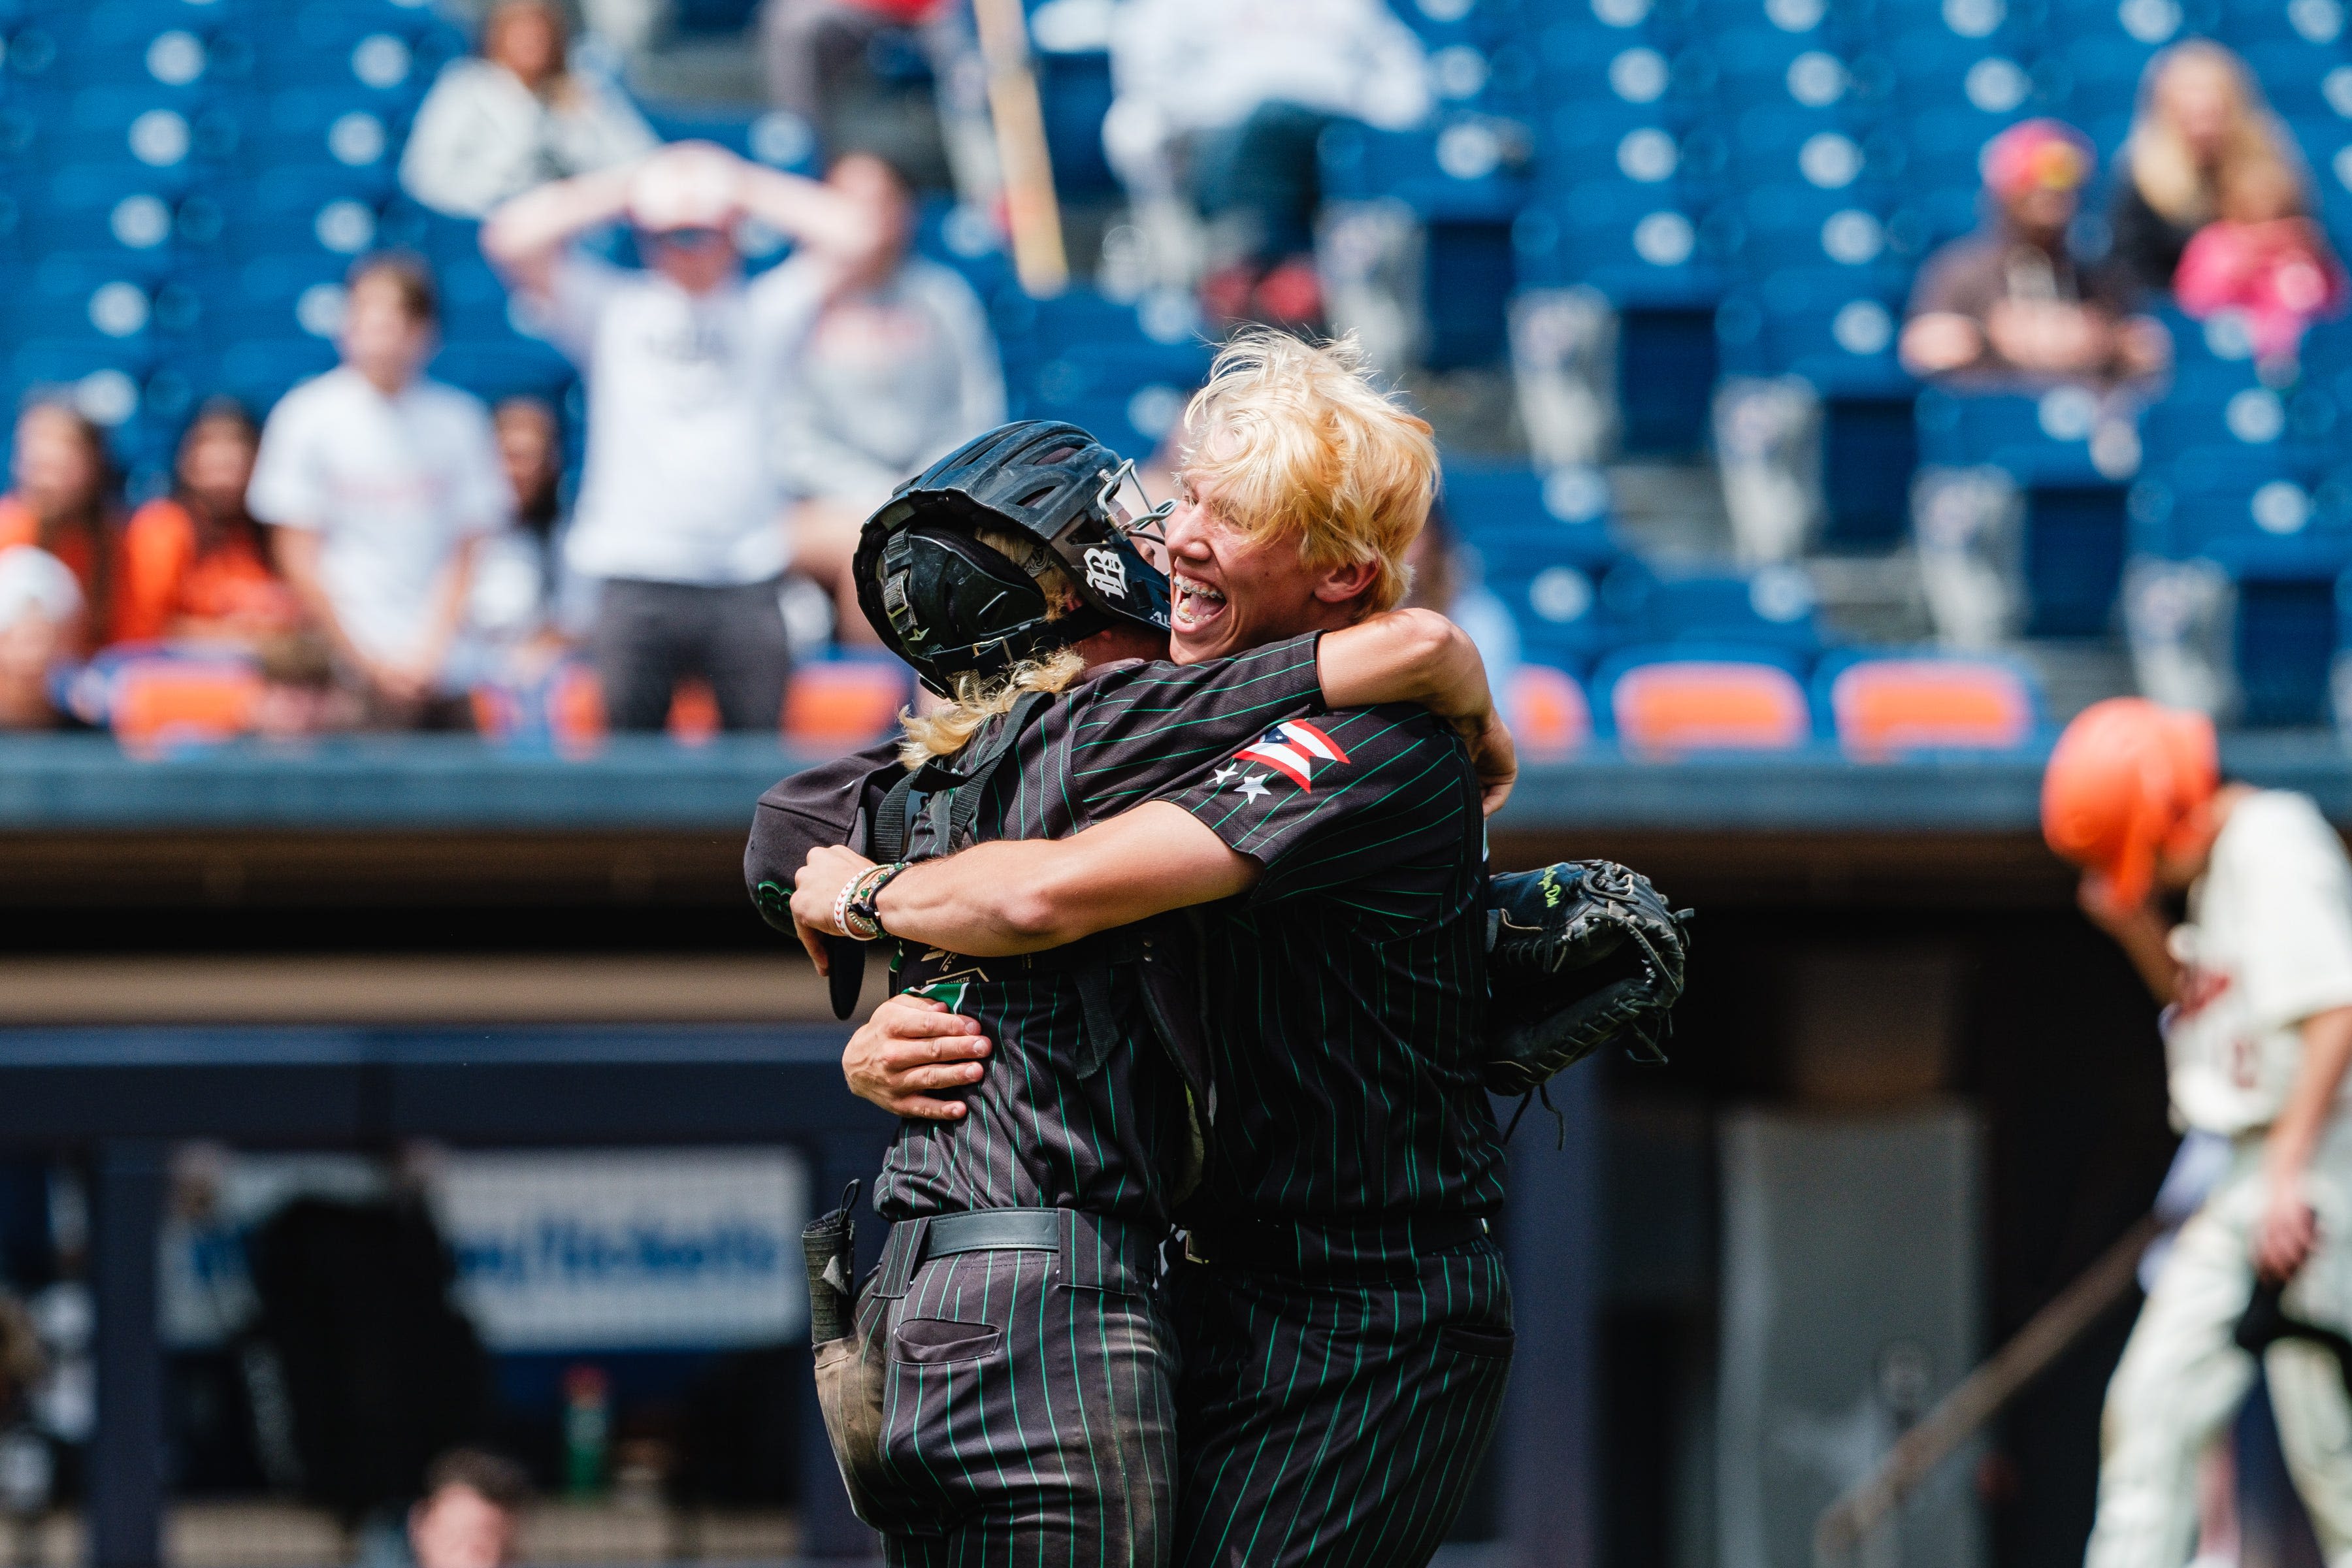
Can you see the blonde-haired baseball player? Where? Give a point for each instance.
(2258, 1030)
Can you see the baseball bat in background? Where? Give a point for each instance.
(1032, 210)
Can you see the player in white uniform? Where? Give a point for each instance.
(2257, 1031)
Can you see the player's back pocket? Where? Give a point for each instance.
(931, 1341)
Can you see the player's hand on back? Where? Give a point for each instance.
(910, 1051)
(1496, 756)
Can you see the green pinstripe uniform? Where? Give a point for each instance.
(1029, 1407)
(1348, 1336)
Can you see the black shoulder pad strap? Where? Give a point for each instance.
(887, 840)
(981, 767)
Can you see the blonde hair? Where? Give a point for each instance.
(944, 731)
(2164, 168)
(1302, 446)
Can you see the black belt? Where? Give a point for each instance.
(1316, 1246)
(1094, 1251)
(995, 1230)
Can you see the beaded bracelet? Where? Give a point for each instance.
(853, 908)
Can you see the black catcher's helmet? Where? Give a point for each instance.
(948, 605)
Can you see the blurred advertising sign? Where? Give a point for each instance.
(641, 1248)
(621, 1250)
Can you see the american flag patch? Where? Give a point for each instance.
(1292, 748)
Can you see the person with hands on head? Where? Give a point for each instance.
(681, 509)
(1351, 1157)
(2257, 987)
(1006, 575)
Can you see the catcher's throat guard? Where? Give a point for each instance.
(950, 605)
(1580, 955)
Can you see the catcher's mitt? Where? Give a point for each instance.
(1580, 955)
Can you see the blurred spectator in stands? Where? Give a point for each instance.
(193, 562)
(2008, 303)
(40, 620)
(817, 52)
(518, 116)
(468, 1516)
(2201, 133)
(65, 500)
(889, 367)
(1219, 107)
(680, 513)
(527, 608)
(2263, 259)
(1445, 579)
(59, 556)
(379, 484)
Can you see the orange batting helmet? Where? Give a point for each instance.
(2121, 780)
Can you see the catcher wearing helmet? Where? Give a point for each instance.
(1005, 1383)
(2257, 987)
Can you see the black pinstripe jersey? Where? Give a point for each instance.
(1345, 988)
(1067, 1115)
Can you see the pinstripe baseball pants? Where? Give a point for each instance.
(1335, 1420)
(1028, 1405)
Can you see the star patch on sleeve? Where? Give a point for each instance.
(1293, 749)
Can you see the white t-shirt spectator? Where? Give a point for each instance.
(481, 136)
(878, 384)
(394, 484)
(679, 485)
(2268, 945)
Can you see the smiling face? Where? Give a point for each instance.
(1232, 590)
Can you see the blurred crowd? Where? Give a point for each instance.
(2211, 211)
(383, 551)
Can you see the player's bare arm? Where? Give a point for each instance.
(1418, 656)
(2283, 1239)
(1015, 896)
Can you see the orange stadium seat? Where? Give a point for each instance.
(1548, 715)
(844, 702)
(1703, 705)
(162, 702)
(1883, 706)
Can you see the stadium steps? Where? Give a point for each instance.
(1671, 513)
(1874, 599)
(2074, 674)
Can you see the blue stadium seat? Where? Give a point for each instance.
(2285, 626)
(2043, 439)
(1638, 247)
(1119, 371)
(493, 371)
(1556, 604)
(1464, 169)
(2294, 75)
(1772, 609)
(965, 239)
(102, 374)
(1557, 516)
(115, 210)
(2101, 72)
(256, 371)
(324, 131)
(1834, 332)
(1795, 229)
(271, 300)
